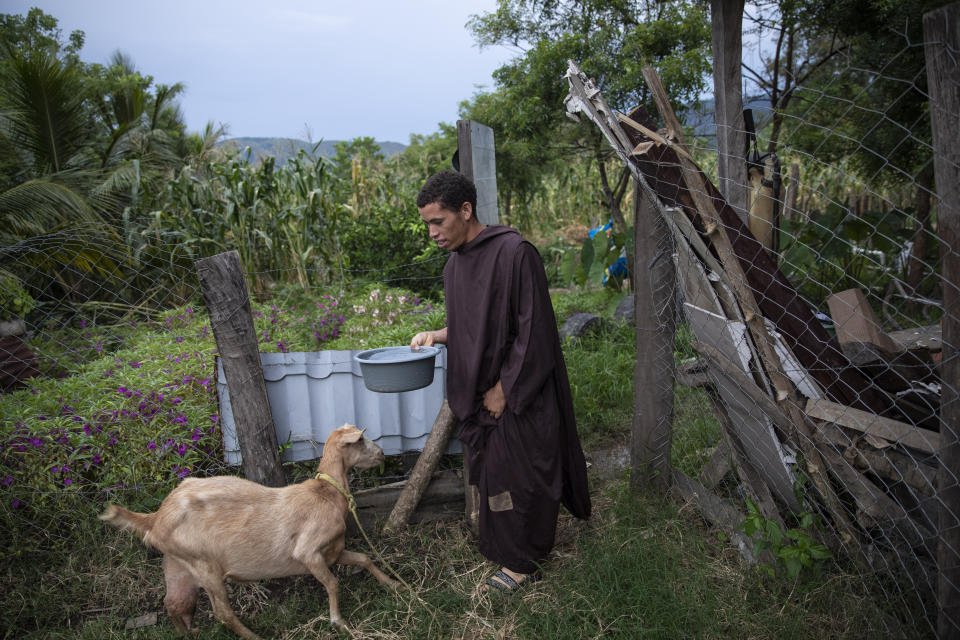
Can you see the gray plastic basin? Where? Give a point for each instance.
(396, 369)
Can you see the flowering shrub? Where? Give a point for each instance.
(132, 416)
(388, 317)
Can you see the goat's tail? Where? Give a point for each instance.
(129, 520)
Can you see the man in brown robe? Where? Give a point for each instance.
(506, 381)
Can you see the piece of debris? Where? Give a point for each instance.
(580, 324)
(146, 620)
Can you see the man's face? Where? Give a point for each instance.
(448, 228)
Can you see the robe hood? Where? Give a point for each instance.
(487, 234)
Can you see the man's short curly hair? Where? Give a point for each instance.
(450, 190)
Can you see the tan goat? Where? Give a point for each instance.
(211, 529)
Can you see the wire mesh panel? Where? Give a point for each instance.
(816, 315)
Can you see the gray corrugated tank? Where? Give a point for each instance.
(311, 393)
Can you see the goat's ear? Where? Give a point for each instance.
(353, 435)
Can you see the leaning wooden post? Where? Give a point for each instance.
(422, 471)
(225, 294)
(726, 23)
(941, 33)
(652, 428)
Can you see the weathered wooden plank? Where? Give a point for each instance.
(714, 510)
(652, 425)
(442, 499)
(225, 294)
(718, 465)
(929, 337)
(726, 19)
(748, 421)
(723, 366)
(475, 147)
(886, 428)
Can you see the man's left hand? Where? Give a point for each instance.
(494, 401)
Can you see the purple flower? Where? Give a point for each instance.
(180, 419)
(214, 418)
(151, 445)
(55, 470)
(178, 339)
(87, 429)
(67, 481)
(134, 364)
(7, 481)
(196, 435)
(182, 450)
(15, 503)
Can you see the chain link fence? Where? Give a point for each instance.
(815, 292)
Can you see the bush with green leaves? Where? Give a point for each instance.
(795, 549)
(15, 302)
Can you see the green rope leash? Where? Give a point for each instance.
(352, 505)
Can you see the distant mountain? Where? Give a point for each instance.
(285, 148)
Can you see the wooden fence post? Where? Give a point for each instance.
(653, 373)
(726, 17)
(225, 294)
(475, 149)
(941, 33)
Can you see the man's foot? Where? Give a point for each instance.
(510, 581)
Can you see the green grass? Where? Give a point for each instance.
(641, 568)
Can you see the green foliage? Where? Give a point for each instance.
(15, 302)
(599, 366)
(840, 251)
(796, 549)
(611, 40)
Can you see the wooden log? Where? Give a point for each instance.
(225, 294)
(900, 433)
(442, 500)
(941, 35)
(423, 470)
(652, 425)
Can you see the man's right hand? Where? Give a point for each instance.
(428, 338)
(422, 339)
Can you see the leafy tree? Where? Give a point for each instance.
(81, 144)
(611, 40)
(865, 102)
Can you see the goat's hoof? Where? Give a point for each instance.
(340, 625)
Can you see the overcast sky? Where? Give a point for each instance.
(283, 68)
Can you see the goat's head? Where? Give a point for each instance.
(355, 449)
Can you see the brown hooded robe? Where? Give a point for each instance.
(501, 326)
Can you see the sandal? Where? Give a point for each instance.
(501, 580)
